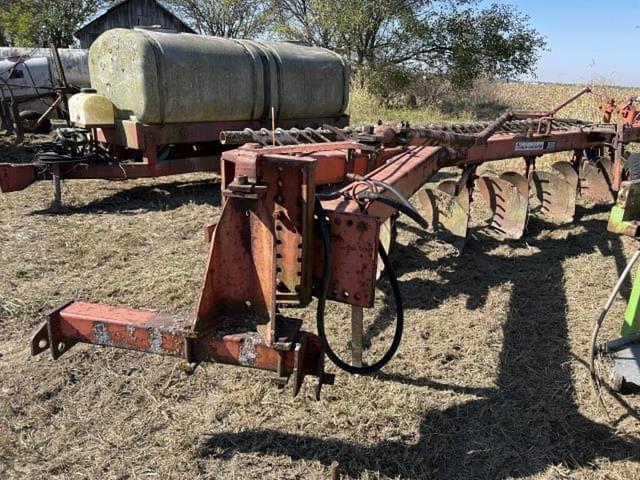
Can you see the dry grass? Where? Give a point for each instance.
(489, 99)
(490, 380)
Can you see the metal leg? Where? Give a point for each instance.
(6, 122)
(150, 154)
(357, 332)
(17, 122)
(335, 470)
(57, 188)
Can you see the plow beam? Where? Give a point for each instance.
(508, 199)
(15, 177)
(557, 193)
(280, 240)
(152, 332)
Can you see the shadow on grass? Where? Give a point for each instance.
(528, 423)
(147, 198)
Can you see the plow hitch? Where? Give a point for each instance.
(152, 332)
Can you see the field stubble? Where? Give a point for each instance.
(490, 381)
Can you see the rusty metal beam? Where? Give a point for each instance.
(407, 172)
(153, 332)
(15, 177)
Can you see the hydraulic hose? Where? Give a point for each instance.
(322, 298)
(407, 209)
(388, 187)
(329, 195)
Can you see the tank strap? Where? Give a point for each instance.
(254, 68)
(158, 54)
(277, 104)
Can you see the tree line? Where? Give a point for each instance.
(387, 42)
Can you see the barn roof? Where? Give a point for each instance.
(163, 5)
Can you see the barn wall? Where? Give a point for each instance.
(134, 13)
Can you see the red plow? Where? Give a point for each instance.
(312, 214)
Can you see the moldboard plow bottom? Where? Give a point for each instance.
(556, 192)
(446, 208)
(508, 199)
(315, 218)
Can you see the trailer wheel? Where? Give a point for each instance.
(30, 118)
(632, 167)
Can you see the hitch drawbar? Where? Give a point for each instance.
(153, 332)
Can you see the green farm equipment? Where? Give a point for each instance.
(624, 352)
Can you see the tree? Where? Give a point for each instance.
(389, 40)
(496, 41)
(3, 37)
(40, 22)
(227, 18)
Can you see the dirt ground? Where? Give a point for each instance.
(490, 380)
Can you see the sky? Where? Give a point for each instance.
(586, 40)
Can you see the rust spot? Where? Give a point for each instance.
(101, 335)
(248, 352)
(155, 340)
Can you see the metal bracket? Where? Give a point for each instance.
(48, 335)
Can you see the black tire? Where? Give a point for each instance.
(632, 166)
(29, 119)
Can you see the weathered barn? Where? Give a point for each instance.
(130, 14)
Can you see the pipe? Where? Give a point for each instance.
(569, 100)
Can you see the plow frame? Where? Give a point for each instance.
(137, 152)
(267, 253)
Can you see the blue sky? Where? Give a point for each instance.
(587, 40)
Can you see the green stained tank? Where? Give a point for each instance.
(161, 77)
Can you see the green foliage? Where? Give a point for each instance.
(496, 41)
(39, 22)
(392, 43)
(18, 23)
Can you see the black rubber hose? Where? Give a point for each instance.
(400, 206)
(422, 222)
(388, 187)
(329, 195)
(322, 298)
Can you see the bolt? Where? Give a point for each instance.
(187, 367)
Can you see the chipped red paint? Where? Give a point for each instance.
(153, 332)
